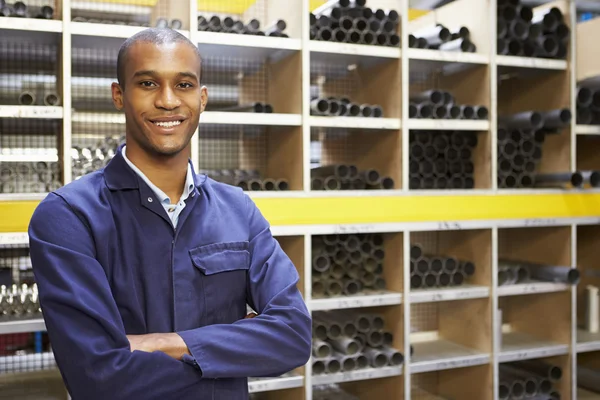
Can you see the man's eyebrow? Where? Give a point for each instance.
(190, 75)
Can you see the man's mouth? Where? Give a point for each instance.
(167, 124)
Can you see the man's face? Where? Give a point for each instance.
(162, 97)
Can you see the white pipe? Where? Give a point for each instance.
(592, 315)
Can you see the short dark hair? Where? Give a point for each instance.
(157, 36)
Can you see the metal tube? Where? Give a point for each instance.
(395, 358)
(524, 120)
(435, 97)
(324, 34)
(374, 338)
(316, 183)
(340, 171)
(332, 366)
(549, 45)
(376, 357)
(517, 389)
(591, 178)
(555, 119)
(518, 29)
(51, 99)
(481, 112)
(501, 28)
(559, 180)
(429, 280)
(435, 34)
(515, 47)
(416, 251)
(503, 390)
(535, 31)
(330, 4)
(321, 349)
(584, 97)
(464, 45)
(319, 106)
(416, 280)
(345, 345)
(444, 279)
(333, 288)
(530, 384)
(541, 368)
(546, 18)
(27, 99)
(377, 111)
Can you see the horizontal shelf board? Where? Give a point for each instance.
(250, 47)
(116, 8)
(587, 341)
(357, 375)
(347, 53)
(256, 385)
(14, 239)
(48, 112)
(531, 62)
(448, 56)
(31, 24)
(587, 129)
(98, 118)
(22, 326)
(362, 300)
(448, 294)
(331, 213)
(449, 124)
(239, 118)
(28, 157)
(532, 288)
(106, 30)
(355, 123)
(520, 346)
(442, 354)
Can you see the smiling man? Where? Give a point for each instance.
(145, 268)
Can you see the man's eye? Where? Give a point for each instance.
(146, 83)
(186, 85)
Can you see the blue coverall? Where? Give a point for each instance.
(108, 263)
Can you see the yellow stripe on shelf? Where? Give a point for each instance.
(15, 215)
(216, 6)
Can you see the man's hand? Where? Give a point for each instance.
(169, 343)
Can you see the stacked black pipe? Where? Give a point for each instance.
(347, 340)
(520, 140)
(439, 37)
(20, 9)
(257, 107)
(441, 159)
(345, 265)
(351, 21)
(588, 105)
(523, 31)
(343, 107)
(429, 271)
(348, 177)
(441, 104)
(511, 272)
(250, 180)
(529, 379)
(228, 24)
(161, 22)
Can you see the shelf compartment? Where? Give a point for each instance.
(532, 288)
(258, 385)
(355, 123)
(449, 294)
(357, 375)
(215, 44)
(588, 240)
(448, 125)
(517, 346)
(587, 341)
(472, 382)
(443, 354)
(385, 298)
(586, 148)
(21, 326)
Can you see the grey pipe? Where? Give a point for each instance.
(51, 99)
(518, 29)
(395, 358)
(467, 112)
(376, 357)
(541, 368)
(332, 366)
(503, 390)
(517, 389)
(319, 106)
(464, 45)
(549, 45)
(559, 180)
(340, 171)
(340, 35)
(525, 120)
(351, 287)
(324, 34)
(481, 112)
(362, 362)
(318, 287)
(429, 280)
(27, 98)
(318, 366)
(584, 97)
(345, 345)
(321, 263)
(334, 288)
(321, 349)
(555, 119)
(444, 279)
(546, 18)
(530, 382)
(416, 251)
(416, 280)
(347, 362)
(435, 97)
(316, 183)
(424, 110)
(435, 34)
(374, 339)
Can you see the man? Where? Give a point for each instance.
(145, 268)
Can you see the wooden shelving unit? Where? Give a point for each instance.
(457, 340)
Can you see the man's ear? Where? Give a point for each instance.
(203, 98)
(117, 96)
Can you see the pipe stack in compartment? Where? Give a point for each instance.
(440, 37)
(529, 379)
(86, 159)
(346, 265)
(20, 9)
(343, 107)
(431, 271)
(351, 21)
(348, 177)
(347, 340)
(30, 177)
(257, 107)
(588, 104)
(216, 23)
(19, 301)
(441, 104)
(441, 159)
(511, 272)
(250, 180)
(527, 32)
(520, 143)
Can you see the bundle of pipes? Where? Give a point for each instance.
(19, 301)
(86, 159)
(441, 159)
(29, 177)
(529, 379)
(21, 10)
(331, 392)
(351, 21)
(511, 272)
(257, 107)
(247, 179)
(346, 340)
(229, 24)
(30, 97)
(160, 22)
(343, 107)
(520, 138)
(440, 104)
(523, 31)
(440, 37)
(345, 265)
(348, 177)
(437, 271)
(588, 105)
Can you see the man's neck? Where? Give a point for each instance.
(167, 173)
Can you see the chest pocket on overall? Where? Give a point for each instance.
(223, 271)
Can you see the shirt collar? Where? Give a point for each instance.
(162, 196)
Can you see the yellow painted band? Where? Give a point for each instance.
(14, 216)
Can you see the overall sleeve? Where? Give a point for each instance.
(85, 328)
(279, 338)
